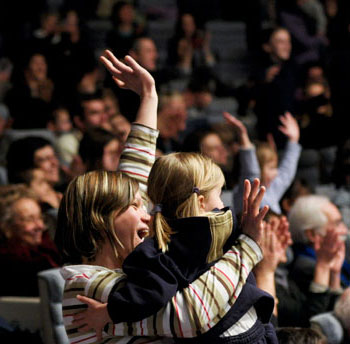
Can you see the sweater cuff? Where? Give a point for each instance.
(145, 129)
(317, 288)
(253, 245)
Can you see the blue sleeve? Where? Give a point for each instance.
(286, 172)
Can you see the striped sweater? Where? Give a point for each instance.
(194, 310)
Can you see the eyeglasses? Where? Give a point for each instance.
(30, 219)
(40, 160)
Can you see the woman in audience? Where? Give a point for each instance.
(126, 28)
(100, 149)
(25, 246)
(31, 98)
(32, 152)
(190, 47)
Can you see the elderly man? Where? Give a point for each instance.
(318, 232)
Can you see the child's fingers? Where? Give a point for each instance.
(119, 82)
(109, 65)
(259, 197)
(117, 63)
(246, 193)
(254, 192)
(233, 120)
(132, 63)
(86, 300)
(283, 129)
(262, 213)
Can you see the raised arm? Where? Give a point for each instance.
(249, 166)
(130, 75)
(139, 151)
(288, 165)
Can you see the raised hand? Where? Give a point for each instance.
(129, 74)
(252, 217)
(289, 127)
(327, 247)
(241, 129)
(94, 318)
(271, 248)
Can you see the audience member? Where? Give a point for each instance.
(275, 83)
(31, 98)
(100, 149)
(172, 116)
(60, 121)
(47, 37)
(34, 152)
(126, 28)
(117, 123)
(318, 231)
(25, 246)
(89, 114)
(208, 142)
(293, 307)
(264, 163)
(190, 47)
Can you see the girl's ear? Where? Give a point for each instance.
(201, 203)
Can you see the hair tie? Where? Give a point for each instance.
(196, 190)
(157, 209)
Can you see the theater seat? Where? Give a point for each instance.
(51, 286)
(21, 312)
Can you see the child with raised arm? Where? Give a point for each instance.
(263, 162)
(190, 235)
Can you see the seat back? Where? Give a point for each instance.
(51, 285)
(21, 312)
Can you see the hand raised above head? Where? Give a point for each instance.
(129, 74)
(253, 216)
(240, 127)
(289, 127)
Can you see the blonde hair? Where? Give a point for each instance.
(265, 153)
(87, 209)
(171, 183)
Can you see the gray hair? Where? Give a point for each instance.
(307, 213)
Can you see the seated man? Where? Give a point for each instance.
(315, 222)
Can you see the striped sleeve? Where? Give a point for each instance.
(96, 285)
(205, 301)
(139, 154)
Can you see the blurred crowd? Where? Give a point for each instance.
(261, 88)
